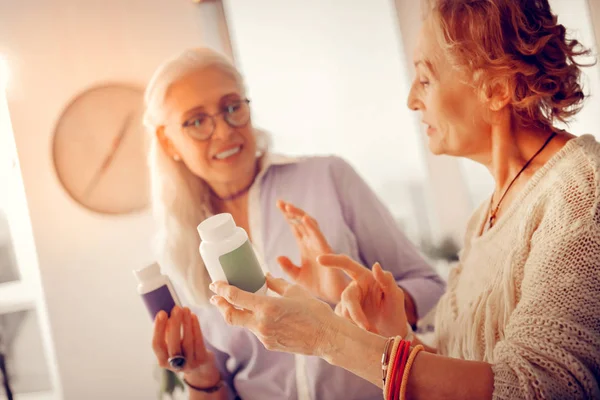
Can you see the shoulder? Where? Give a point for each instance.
(567, 197)
(572, 185)
(314, 166)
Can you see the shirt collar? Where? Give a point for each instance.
(272, 159)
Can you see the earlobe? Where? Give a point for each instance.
(166, 143)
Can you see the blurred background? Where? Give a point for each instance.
(324, 76)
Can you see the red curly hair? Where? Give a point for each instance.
(517, 44)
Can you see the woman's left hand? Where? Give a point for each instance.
(373, 300)
(295, 323)
(325, 283)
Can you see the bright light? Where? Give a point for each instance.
(4, 72)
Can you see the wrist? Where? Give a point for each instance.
(356, 350)
(203, 379)
(347, 340)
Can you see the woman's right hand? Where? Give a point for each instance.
(180, 334)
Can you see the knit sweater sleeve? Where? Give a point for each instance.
(551, 345)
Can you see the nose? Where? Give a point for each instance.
(413, 101)
(222, 128)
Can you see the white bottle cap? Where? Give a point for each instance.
(147, 273)
(217, 227)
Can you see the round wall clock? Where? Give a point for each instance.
(99, 150)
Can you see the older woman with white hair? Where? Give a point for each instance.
(206, 158)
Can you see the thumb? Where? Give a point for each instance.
(277, 285)
(343, 262)
(291, 269)
(385, 278)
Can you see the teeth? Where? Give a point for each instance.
(228, 153)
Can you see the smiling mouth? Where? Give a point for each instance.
(228, 153)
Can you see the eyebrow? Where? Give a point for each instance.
(191, 113)
(201, 109)
(427, 65)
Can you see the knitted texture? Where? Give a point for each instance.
(525, 295)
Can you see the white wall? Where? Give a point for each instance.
(56, 49)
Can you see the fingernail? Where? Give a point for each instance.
(212, 287)
(213, 300)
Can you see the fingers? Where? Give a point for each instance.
(313, 229)
(277, 285)
(187, 342)
(339, 309)
(343, 312)
(291, 210)
(173, 333)
(303, 224)
(159, 345)
(200, 352)
(294, 219)
(385, 278)
(291, 269)
(178, 335)
(340, 261)
(235, 296)
(232, 315)
(351, 297)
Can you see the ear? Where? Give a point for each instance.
(499, 95)
(166, 143)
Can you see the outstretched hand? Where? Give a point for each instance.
(325, 283)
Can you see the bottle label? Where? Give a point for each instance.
(159, 299)
(242, 269)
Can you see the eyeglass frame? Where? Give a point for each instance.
(225, 112)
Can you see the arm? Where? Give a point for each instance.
(431, 376)
(300, 323)
(380, 240)
(550, 346)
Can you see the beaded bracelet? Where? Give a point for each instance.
(407, 369)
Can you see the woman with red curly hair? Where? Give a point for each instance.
(521, 316)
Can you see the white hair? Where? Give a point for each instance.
(181, 199)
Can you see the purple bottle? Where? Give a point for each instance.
(156, 290)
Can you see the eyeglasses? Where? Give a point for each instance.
(202, 126)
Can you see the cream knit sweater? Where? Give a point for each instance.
(525, 295)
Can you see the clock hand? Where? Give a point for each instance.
(108, 159)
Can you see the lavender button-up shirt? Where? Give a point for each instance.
(356, 223)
